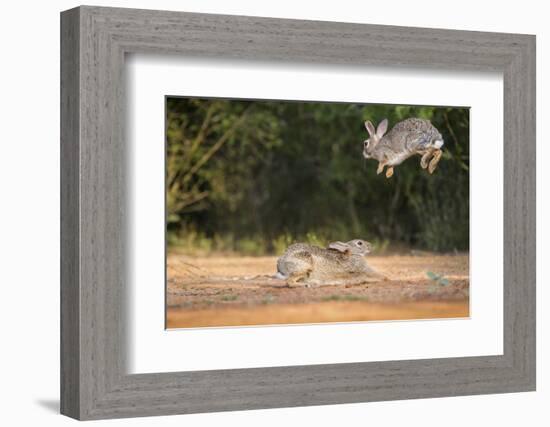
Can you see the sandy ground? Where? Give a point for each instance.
(238, 291)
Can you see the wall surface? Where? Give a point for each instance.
(29, 224)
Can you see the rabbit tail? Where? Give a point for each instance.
(280, 276)
(438, 143)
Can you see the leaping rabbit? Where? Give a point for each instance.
(407, 138)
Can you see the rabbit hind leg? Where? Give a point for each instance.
(424, 160)
(299, 269)
(389, 172)
(434, 161)
(298, 279)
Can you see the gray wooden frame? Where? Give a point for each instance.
(94, 382)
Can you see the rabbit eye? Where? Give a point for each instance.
(360, 243)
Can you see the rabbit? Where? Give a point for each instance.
(407, 138)
(339, 263)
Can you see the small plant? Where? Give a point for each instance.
(438, 278)
(229, 297)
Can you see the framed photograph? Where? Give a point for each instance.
(265, 201)
(261, 213)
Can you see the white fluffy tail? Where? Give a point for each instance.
(438, 143)
(280, 276)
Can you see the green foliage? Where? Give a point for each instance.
(255, 176)
(281, 242)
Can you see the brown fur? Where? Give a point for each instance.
(407, 138)
(339, 264)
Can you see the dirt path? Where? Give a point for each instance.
(230, 291)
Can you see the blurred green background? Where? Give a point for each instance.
(251, 177)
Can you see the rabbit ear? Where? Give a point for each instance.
(370, 128)
(382, 128)
(339, 246)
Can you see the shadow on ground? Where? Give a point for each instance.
(52, 405)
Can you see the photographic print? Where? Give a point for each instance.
(300, 212)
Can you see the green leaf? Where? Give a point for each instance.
(432, 275)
